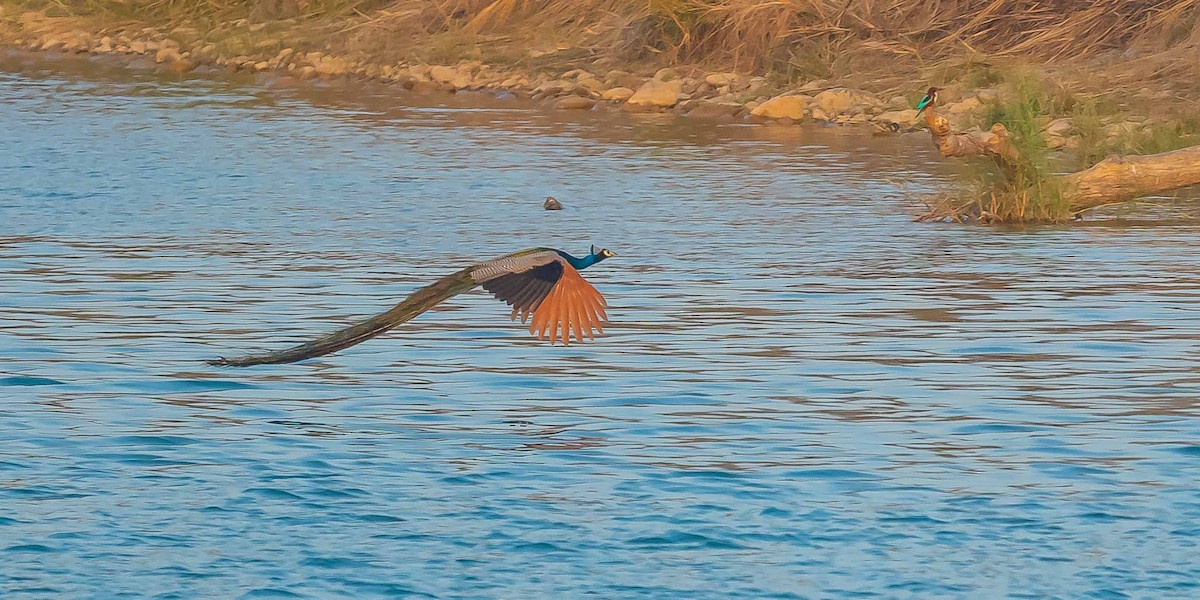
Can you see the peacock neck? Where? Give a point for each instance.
(579, 263)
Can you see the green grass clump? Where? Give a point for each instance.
(1024, 190)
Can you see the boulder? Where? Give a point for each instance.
(782, 107)
(616, 78)
(443, 74)
(839, 102)
(655, 94)
(166, 55)
(590, 83)
(330, 66)
(666, 74)
(617, 94)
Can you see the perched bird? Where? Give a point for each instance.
(928, 100)
(552, 204)
(541, 283)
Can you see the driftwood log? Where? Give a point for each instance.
(1113, 180)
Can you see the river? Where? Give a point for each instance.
(802, 394)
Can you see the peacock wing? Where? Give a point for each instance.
(526, 290)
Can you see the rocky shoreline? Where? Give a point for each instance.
(684, 91)
(721, 96)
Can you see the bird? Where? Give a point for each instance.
(552, 204)
(929, 99)
(542, 285)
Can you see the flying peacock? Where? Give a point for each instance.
(542, 283)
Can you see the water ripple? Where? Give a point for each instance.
(802, 394)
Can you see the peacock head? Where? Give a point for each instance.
(602, 254)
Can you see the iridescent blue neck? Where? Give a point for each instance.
(579, 263)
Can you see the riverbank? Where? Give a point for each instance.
(325, 45)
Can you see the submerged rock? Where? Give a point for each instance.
(710, 109)
(574, 103)
(552, 204)
(167, 55)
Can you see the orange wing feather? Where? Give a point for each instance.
(573, 307)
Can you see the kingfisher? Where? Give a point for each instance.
(542, 285)
(928, 100)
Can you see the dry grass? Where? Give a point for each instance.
(793, 38)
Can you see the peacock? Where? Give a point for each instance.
(542, 283)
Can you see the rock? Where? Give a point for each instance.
(166, 55)
(690, 86)
(721, 79)
(898, 103)
(709, 109)
(306, 72)
(666, 74)
(618, 94)
(552, 204)
(840, 102)
(1058, 127)
(906, 118)
(330, 65)
(815, 85)
(590, 83)
(655, 94)
(575, 103)
(834, 102)
(554, 87)
(617, 78)
(424, 86)
(282, 57)
(781, 107)
(987, 95)
(442, 74)
(1124, 128)
(515, 82)
(967, 105)
(179, 66)
(138, 47)
(752, 85)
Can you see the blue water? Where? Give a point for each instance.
(802, 394)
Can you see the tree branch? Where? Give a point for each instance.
(1115, 179)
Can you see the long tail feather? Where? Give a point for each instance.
(417, 303)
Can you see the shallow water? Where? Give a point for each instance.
(802, 393)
